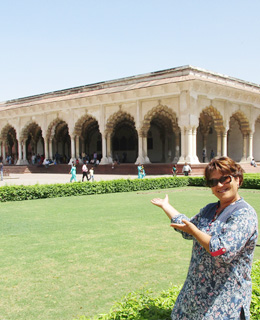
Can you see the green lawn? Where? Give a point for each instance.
(64, 257)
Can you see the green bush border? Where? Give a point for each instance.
(18, 193)
(21, 192)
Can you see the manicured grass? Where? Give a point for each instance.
(64, 257)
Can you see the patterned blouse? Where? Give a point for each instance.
(218, 284)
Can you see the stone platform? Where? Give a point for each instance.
(121, 169)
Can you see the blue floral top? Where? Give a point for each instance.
(218, 284)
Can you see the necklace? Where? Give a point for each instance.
(217, 213)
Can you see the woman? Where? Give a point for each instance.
(73, 173)
(224, 234)
(139, 168)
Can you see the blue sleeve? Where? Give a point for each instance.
(195, 220)
(240, 227)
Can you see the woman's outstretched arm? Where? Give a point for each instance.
(186, 226)
(165, 205)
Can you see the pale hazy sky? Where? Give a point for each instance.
(49, 45)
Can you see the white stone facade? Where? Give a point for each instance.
(166, 116)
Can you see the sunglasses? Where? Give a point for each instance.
(223, 180)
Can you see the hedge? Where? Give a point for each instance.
(144, 305)
(18, 193)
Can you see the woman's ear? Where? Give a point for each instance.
(237, 179)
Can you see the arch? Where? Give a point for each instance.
(211, 124)
(164, 115)
(121, 129)
(31, 135)
(160, 126)
(238, 130)
(8, 136)
(87, 129)
(242, 120)
(59, 140)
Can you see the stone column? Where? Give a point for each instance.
(24, 151)
(140, 158)
(244, 148)
(145, 155)
(104, 159)
(189, 157)
(72, 140)
(77, 146)
(19, 152)
(183, 146)
(224, 143)
(218, 144)
(46, 149)
(109, 154)
(194, 146)
(50, 150)
(250, 147)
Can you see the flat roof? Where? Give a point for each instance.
(132, 82)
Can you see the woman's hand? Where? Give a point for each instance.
(186, 227)
(165, 205)
(160, 202)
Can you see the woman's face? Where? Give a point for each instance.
(226, 192)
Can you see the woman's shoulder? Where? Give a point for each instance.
(240, 210)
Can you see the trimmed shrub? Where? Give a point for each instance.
(18, 193)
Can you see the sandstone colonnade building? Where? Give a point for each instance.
(160, 117)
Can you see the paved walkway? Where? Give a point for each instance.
(45, 178)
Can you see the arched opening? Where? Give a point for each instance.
(10, 144)
(238, 129)
(90, 139)
(210, 124)
(32, 137)
(60, 146)
(124, 139)
(163, 137)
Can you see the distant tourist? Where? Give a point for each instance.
(91, 172)
(85, 172)
(253, 163)
(186, 169)
(203, 155)
(73, 173)
(141, 171)
(174, 170)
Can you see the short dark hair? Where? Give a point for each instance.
(226, 166)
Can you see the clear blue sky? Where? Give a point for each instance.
(48, 45)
